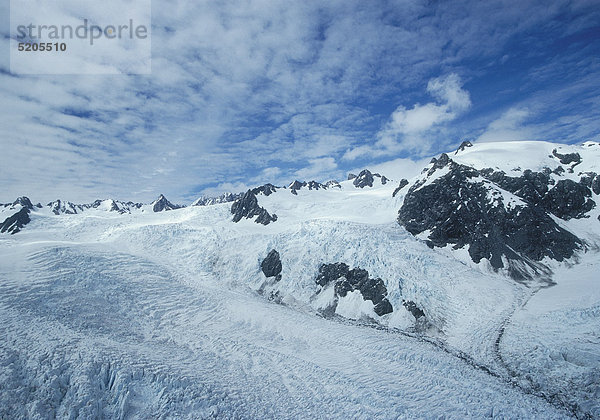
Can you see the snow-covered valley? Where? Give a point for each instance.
(134, 313)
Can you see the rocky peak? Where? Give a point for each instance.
(466, 208)
(247, 207)
(65, 207)
(314, 185)
(295, 186)
(223, 198)
(265, 190)
(23, 202)
(311, 185)
(162, 204)
(364, 179)
(15, 223)
(463, 146)
(332, 184)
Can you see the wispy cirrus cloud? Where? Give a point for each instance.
(240, 87)
(509, 127)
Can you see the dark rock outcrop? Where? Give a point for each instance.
(567, 158)
(247, 207)
(568, 200)
(403, 183)
(311, 185)
(531, 186)
(114, 206)
(295, 186)
(331, 272)
(223, 198)
(463, 146)
(346, 280)
(64, 207)
(314, 185)
(15, 223)
(461, 209)
(271, 265)
(21, 201)
(587, 179)
(333, 184)
(265, 190)
(351, 176)
(365, 179)
(413, 309)
(596, 185)
(162, 204)
(439, 163)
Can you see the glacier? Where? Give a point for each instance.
(142, 314)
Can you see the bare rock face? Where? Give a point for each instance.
(568, 200)
(403, 183)
(463, 146)
(21, 201)
(333, 184)
(247, 207)
(346, 280)
(463, 208)
(311, 185)
(223, 198)
(15, 223)
(265, 190)
(413, 309)
(271, 265)
(596, 185)
(365, 179)
(162, 204)
(567, 158)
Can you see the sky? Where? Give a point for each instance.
(247, 92)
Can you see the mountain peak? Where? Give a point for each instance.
(365, 179)
(162, 204)
(21, 201)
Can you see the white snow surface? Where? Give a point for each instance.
(517, 156)
(167, 315)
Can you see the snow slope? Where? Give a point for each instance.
(91, 332)
(555, 337)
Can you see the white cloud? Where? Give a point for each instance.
(413, 129)
(397, 169)
(509, 127)
(224, 187)
(317, 169)
(407, 128)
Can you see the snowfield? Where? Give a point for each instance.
(168, 315)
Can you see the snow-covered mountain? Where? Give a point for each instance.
(468, 290)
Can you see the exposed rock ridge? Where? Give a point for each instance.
(346, 280)
(247, 207)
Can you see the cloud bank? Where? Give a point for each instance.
(245, 90)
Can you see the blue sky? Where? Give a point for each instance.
(243, 93)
